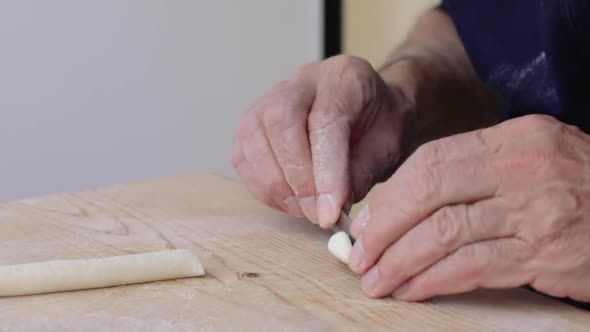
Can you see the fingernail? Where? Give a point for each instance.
(292, 206)
(360, 222)
(370, 280)
(308, 205)
(357, 256)
(400, 292)
(326, 210)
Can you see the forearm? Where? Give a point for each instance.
(433, 71)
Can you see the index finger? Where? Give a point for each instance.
(411, 195)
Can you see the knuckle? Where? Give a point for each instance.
(537, 158)
(446, 228)
(478, 261)
(268, 185)
(321, 119)
(257, 190)
(301, 181)
(561, 207)
(559, 167)
(288, 108)
(274, 115)
(235, 162)
(539, 121)
(392, 273)
(305, 70)
(236, 156)
(529, 161)
(280, 85)
(261, 196)
(266, 199)
(285, 110)
(305, 187)
(574, 130)
(569, 201)
(481, 135)
(550, 285)
(551, 162)
(429, 153)
(350, 62)
(544, 162)
(248, 125)
(360, 80)
(276, 187)
(343, 58)
(425, 185)
(549, 131)
(273, 193)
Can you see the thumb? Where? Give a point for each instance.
(329, 135)
(381, 147)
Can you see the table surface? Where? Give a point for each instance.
(265, 271)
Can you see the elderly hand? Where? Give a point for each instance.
(495, 208)
(320, 140)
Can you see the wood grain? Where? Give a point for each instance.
(265, 271)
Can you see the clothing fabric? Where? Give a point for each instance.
(534, 54)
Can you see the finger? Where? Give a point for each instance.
(329, 137)
(500, 263)
(442, 233)
(474, 144)
(579, 291)
(344, 98)
(250, 179)
(571, 284)
(408, 198)
(285, 122)
(262, 175)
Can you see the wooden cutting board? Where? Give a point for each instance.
(265, 271)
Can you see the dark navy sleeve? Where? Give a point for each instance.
(533, 54)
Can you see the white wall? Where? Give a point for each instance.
(101, 92)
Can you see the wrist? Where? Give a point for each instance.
(446, 97)
(412, 86)
(402, 82)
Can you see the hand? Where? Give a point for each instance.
(494, 208)
(320, 140)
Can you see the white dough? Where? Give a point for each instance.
(64, 275)
(340, 246)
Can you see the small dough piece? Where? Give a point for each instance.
(340, 246)
(65, 275)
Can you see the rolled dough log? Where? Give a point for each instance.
(340, 246)
(64, 275)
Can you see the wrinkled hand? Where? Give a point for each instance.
(320, 140)
(494, 208)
